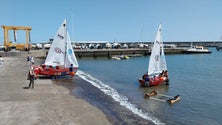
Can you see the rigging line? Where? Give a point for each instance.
(72, 25)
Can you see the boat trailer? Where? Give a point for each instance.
(170, 99)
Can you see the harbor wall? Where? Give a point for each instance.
(91, 52)
(80, 53)
(34, 53)
(113, 52)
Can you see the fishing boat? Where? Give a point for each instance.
(61, 59)
(157, 73)
(196, 49)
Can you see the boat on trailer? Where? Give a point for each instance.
(61, 59)
(157, 70)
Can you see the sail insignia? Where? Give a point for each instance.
(60, 36)
(58, 50)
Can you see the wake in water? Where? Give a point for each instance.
(123, 100)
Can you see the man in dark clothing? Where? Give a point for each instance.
(71, 71)
(71, 68)
(31, 79)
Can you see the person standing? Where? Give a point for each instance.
(32, 67)
(28, 58)
(32, 59)
(1, 62)
(31, 77)
(71, 72)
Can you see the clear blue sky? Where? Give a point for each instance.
(119, 20)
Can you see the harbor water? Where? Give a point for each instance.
(112, 86)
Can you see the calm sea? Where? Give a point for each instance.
(195, 77)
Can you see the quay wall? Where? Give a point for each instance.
(196, 43)
(178, 43)
(90, 52)
(113, 52)
(17, 53)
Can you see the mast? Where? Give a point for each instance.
(65, 32)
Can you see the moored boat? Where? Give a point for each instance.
(116, 58)
(120, 57)
(196, 49)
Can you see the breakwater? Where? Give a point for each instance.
(17, 53)
(92, 52)
(112, 52)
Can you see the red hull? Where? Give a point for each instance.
(62, 71)
(152, 83)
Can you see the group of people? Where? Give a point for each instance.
(163, 76)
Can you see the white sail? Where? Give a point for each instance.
(70, 55)
(154, 63)
(56, 54)
(163, 65)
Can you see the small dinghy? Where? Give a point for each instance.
(157, 73)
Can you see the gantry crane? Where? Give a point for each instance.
(8, 44)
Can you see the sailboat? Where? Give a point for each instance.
(60, 56)
(157, 73)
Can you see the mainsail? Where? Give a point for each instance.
(157, 61)
(56, 54)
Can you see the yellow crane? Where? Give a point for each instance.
(8, 44)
